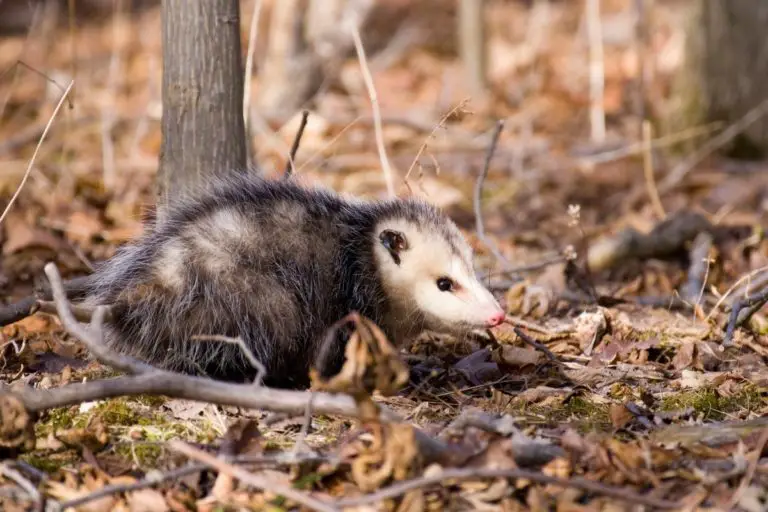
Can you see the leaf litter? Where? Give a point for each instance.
(608, 387)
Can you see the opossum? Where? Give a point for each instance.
(276, 263)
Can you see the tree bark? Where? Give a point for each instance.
(202, 126)
(731, 60)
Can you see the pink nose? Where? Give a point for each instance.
(496, 319)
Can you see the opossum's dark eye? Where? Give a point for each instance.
(444, 284)
(395, 243)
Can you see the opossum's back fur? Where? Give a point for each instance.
(272, 262)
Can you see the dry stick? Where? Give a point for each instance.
(91, 339)
(538, 346)
(659, 143)
(252, 31)
(257, 365)
(480, 228)
(37, 149)
(521, 474)
(681, 170)
(752, 304)
(385, 167)
(151, 481)
(290, 165)
(249, 478)
(747, 480)
(650, 182)
(29, 305)
(28, 487)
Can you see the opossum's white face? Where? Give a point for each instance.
(428, 276)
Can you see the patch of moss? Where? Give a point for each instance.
(709, 404)
(147, 454)
(583, 414)
(57, 419)
(151, 400)
(50, 464)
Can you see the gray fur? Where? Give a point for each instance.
(272, 262)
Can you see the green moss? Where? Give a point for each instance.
(578, 411)
(57, 419)
(50, 463)
(147, 454)
(151, 401)
(308, 481)
(709, 404)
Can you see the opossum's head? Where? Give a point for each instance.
(426, 269)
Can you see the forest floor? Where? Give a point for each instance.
(609, 388)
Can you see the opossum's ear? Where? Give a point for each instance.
(395, 242)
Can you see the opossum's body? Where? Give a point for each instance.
(276, 264)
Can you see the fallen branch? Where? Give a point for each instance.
(752, 305)
(74, 289)
(183, 471)
(249, 478)
(401, 488)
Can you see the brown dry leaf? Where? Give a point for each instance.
(94, 436)
(517, 356)
(31, 325)
(372, 364)
(684, 356)
(21, 234)
(187, 409)
(146, 500)
(619, 415)
(82, 227)
(590, 328)
(392, 455)
(526, 299)
(16, 429)
(63, 492)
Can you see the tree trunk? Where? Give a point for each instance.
(203, 132)
(730, 60)
(471, 31)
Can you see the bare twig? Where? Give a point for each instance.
(158, 478)
(11, 313)
(680, 171)
(431, 135)
(252, 31)
(650, 181)
(37, 150)
(401, 488)
(249, 478)
(637, 148)
(750, 473)
(480, 228)
(538, 346)
(752, 305)
(92, 340)
(290, 165)
(261, 371)
(385, 167)
(22, 482)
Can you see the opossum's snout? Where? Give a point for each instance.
(466, 303)
(428, 274)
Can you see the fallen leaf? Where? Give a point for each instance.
(146, 500)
